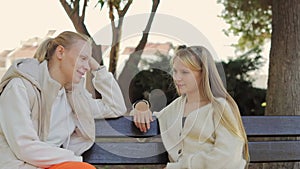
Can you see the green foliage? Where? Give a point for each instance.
(101, 2)
(162, 63)
(250, 20)
(240, 67)
(156, 76)
(239, 82)
(115, 3)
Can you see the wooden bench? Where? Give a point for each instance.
(119, 142)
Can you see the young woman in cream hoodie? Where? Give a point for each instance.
(201, 129)
(46, 114)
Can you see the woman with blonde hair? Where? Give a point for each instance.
(201, 129)
(46, 114)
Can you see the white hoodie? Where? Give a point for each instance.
(27, 96)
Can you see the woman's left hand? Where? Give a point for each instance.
(94, 65)
(142, 116)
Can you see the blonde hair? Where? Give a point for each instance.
(198, 58)
(47, 48)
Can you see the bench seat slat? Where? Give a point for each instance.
(274, 151)
(146, 153)
(126, 153)
(107, 151)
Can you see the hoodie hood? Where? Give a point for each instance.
(44, 86)
(25, 68)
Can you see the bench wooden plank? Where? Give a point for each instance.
(123, 127)
(271, 126)
(274, 151)
(108, 151)
(126, 153)
(134, 153)
(255, 126)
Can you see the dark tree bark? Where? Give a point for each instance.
(117, 33)
(283, 96)
(130, 68)
(73, 12)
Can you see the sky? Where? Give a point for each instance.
(21, 20)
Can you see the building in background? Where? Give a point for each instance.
(151, 53)
(26, 49)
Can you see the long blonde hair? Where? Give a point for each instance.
(47, 48)
(198, 58)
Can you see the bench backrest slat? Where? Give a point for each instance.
(123, 126)
(254, 126)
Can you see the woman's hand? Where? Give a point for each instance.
(142, 116)
(68, 87)
(94, 65)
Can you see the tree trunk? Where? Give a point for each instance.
(283, 96)
(117, 33)
(96, 53)
(131, 66)
(115, 48)
(78, 23)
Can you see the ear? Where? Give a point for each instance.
(59, 52)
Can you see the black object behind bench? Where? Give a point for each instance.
(118, 141)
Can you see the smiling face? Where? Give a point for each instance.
(186, 80)
(75, 61)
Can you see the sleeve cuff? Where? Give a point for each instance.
(101, 68)
(186, 161)
(132, 112)
(142, 100)
(173, 166)
(79, 158)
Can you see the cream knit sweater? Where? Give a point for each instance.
(203, 142)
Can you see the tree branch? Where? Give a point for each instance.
(144, 38)
(111, 14)
(125, 9)
(76, 6)
(67, 7)
(83, 9)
